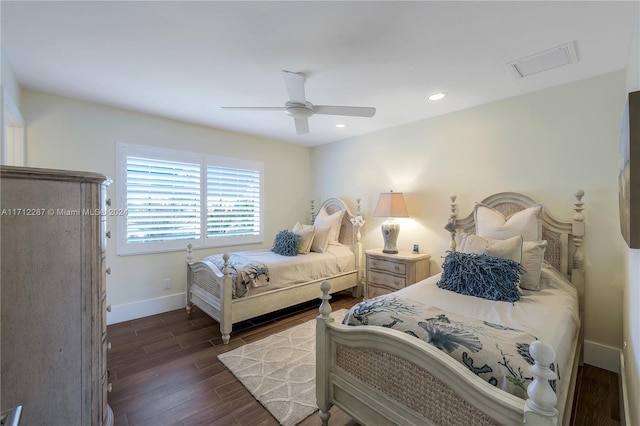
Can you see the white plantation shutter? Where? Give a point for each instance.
(233, 202)
(163, 200)
(174, 198)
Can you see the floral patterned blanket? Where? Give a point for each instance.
(496, 353)
(245, 273)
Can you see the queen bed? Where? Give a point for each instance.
(234, 287)
(463, 347)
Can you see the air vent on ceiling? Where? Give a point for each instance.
(543, 61)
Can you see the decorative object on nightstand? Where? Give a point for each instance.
(390, 272)
(391, 205)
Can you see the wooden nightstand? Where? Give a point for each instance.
(390, 272)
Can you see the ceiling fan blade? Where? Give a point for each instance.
(255, 108)
(302, 125)
(344, 110)
(294, 81)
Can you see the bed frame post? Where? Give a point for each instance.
(540, 409)
(577, 270)
(226, 322)
(323, 355)
(357, 250)
(187, 296)
(451, 224)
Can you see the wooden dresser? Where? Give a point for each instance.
(390, 272)
(53, 313)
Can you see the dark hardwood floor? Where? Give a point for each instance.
(165, 371)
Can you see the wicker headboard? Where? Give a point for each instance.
(564, 238)
(347, 230)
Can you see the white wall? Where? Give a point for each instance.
(69, 134)
(11, 122)
(546, 144)
(631, 305)
(10, 85)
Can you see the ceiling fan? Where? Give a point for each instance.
(298, 107)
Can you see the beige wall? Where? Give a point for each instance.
(631, 305)
(68, 134)
(546, 144)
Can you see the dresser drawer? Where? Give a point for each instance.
(388, 280)
(377, 291)
(386, 265)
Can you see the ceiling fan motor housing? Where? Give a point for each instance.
(298, 110)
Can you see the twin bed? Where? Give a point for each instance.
(393, 360)
(243, 285)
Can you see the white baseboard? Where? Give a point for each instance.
(144, 308)
(624, 398)
(602, 356)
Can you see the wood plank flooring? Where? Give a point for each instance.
(165, 371)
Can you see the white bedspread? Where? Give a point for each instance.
(551, 314)
(285, 271)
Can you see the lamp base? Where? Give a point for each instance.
(390, 231)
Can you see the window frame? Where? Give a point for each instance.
(125, 150)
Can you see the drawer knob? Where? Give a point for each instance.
(108, 346)
(108, 234)
(109, 387)
(108, 201)
(374, 263)
(108, 271)
(108, 308)
(397, 268)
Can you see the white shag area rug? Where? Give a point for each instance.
(280, 371)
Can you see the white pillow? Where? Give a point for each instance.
(307, 234)
(530, 254)
(511, 248)
(532, 258)
(298, 226)
(321, 239)
(490, 223)
(332, 220)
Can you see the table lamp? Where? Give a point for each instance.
(391, 204)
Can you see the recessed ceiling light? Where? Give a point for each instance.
(437, 96)
(341, 125)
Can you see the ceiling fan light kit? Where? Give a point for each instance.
(298, 110)
(298, 107)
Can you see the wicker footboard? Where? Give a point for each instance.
(410, 385)
(382, 376)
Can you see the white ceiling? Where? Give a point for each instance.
(185, 60)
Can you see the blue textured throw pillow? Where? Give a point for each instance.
(286, 243)
(482, 276)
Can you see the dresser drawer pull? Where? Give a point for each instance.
(108, 271)
(108, 346)
(109, 387)
(108, 201)
(397, 268)
(108, 234)
(108, 308)
(374, 263)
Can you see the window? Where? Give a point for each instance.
(173, 198)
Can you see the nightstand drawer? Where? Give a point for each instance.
(387, 265)
(387, 280)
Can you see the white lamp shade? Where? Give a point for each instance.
(391, 204)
